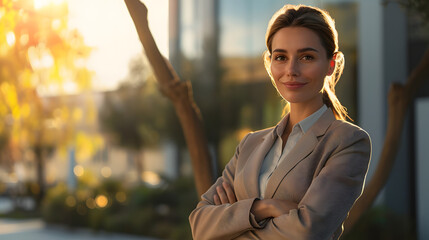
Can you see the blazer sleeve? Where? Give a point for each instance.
(226, 221)
(329, 198)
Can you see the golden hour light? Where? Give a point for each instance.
(40, 58)
(41, 3)
(101, 201)
(106, 171)
(78, 170)
(24, 39)
(10, 38)
(151, 177)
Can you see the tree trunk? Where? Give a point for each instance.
(180, 93)
(399, 98)
(136, 156)
(40, 173)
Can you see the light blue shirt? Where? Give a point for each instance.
(276, 154)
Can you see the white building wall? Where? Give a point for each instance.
(422, 167)
(371, 88)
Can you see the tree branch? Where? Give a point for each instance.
(180, 93)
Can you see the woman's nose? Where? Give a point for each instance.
(292, 68)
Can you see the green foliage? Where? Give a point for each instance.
(159, 212)
(136, 115)
(379, 223)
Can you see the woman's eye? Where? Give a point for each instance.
(307, 58)
(280, 58)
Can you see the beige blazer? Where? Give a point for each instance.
(324, 174)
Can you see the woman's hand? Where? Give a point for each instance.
(271, 208)
(225, 194)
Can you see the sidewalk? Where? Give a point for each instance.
(38, 230)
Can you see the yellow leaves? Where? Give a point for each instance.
(3, 109)
(40, 57)
(62, 113)
(9, 95)
(40, 53)
(77, 114)
(86, 145)
(16, 113)
(25, 110)
(10, 102)
(83, 78)
(26, 78)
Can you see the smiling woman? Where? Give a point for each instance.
(300, 178)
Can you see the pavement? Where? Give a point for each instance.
(36, 229)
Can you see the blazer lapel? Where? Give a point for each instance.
(253, 165)
(302, 149)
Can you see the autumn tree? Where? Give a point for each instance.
(39, 56)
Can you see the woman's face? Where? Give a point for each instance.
(299, 65)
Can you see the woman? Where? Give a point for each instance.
(299, 179)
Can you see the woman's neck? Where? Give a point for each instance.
(300, 111)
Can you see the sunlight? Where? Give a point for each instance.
(42, 3)
(40, 58)
(106, 172)
(10, 38)
(101, 201)
(106, 25)
(151, 177)
(78, 170)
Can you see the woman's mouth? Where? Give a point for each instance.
(294, 85)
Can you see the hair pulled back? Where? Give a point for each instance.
(320, 22)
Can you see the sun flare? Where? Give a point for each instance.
(41, 3)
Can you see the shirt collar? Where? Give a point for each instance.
(310, 120)
(304, 124)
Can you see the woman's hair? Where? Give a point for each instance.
(320, 22)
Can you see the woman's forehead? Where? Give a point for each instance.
(296, 38)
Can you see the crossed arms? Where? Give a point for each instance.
(221, 214)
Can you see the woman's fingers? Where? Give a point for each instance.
(222, 195)
(229, 192)
(216, 200)
(225, 194)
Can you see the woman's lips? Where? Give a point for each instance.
(294, 85)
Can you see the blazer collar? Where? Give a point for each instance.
(303, 148)
(253, 164)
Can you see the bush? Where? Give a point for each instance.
(379, 223)
(159, 212)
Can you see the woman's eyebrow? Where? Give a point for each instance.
(307, 50)
(301, 50)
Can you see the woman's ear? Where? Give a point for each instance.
(332, 64)
(331, 67)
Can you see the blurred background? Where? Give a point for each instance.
(87, 141)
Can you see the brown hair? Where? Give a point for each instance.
(320, 22)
